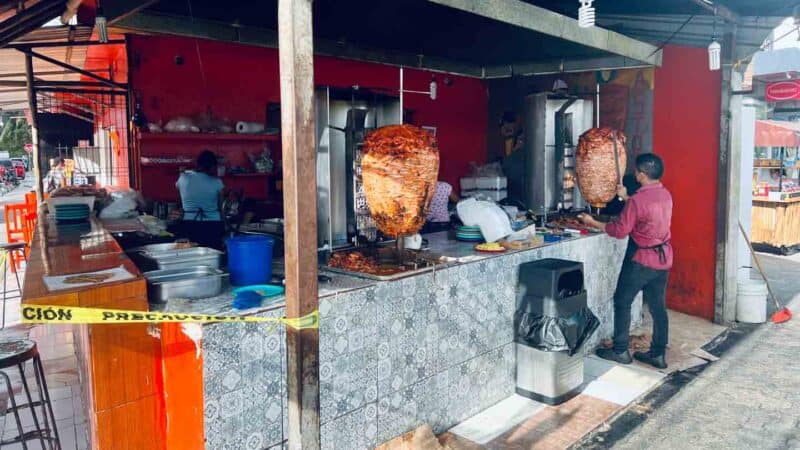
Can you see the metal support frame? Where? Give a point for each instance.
(34, 125)
(32, 45)
(31, 18)
(107, 82)
(718, 9)
(80, 91)
(150, 22)
(726, 267)
(298, 132)
(545, 21)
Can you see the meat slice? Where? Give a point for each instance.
(595, 166)
(399, 170)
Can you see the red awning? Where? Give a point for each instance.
(774, 133)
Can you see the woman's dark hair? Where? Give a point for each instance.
(207, 162)
(651, 165)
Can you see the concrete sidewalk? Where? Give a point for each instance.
(748, 399)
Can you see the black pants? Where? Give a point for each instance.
(633, 278)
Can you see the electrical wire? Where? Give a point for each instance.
(672, 36)
(197, 48)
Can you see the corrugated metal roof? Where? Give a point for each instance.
(689, 30)
(13, 91)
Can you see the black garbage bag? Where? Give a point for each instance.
(555, 334)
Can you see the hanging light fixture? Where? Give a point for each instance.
(714, 49)
(586, 14)
(102, 25)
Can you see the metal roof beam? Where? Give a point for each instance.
(718, 9)
(541, 20)
(563, 66)
(154, 23)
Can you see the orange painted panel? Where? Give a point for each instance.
(183, 384)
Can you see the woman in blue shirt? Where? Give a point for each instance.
(200, 194)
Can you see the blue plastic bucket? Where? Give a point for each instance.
(250, 259)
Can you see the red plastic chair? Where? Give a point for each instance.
(33, 208)
(18, 231)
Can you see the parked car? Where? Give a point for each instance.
(11, 172)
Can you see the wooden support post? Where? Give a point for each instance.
(37, 172)
(296, 56)
(728, 185)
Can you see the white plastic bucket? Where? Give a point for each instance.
(751, 301)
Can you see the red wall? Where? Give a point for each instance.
(237, 81)
(686, 135)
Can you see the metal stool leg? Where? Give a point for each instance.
(14, 409)
(44, 394)
(32, 405)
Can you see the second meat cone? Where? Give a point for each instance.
(598, 173)
(399, 170)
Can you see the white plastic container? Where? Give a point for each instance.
(468, 184)
(493, 183)
(751, 301)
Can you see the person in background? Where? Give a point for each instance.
(513, 159)
(645, 220)
(775, 176)
(56, 177)
(512, 133)
(200, 195)
(439, 214)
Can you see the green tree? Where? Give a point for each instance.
(14, 134)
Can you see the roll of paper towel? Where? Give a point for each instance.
(249, 127)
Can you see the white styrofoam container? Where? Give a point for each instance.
(468, 184)
(494, 183)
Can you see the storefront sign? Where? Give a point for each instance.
(783, 90)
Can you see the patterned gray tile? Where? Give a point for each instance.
(435, 348)
(242, 387)
(357, 430)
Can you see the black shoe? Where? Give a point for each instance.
(657, 361)
(611, 355)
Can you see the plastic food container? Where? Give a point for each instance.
(491, 183)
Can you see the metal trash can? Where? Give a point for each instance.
(551, 323)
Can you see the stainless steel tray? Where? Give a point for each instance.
(193, 282)
(186, 258)
(434, 262)
(158, 248)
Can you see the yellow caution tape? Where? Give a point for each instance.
(75, 315)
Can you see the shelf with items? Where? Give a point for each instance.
(209, 137)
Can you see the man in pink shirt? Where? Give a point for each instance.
(645, 220)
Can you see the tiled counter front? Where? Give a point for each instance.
(434, 348)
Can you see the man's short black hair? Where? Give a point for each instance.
(651, 165)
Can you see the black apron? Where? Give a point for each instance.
(633, 247)
(205, 233)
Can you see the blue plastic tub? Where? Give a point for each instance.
(250, 259)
